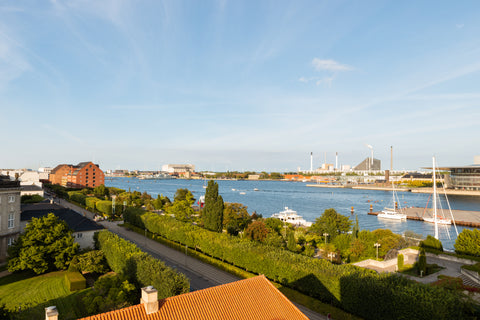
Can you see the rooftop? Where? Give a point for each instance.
(251, 299)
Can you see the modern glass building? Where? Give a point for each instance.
(464, 178)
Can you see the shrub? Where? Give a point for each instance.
(422, 263)
(468, 242)
(34, 198)
(104, 206)
(77, 197)
(90, 202)
(75, 281)
(91, 261)
(431, 243)
(400, 260)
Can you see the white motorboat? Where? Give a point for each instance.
(440, 220)
(291, 216)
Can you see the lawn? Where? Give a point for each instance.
(27, 295)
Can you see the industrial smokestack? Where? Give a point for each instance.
(336, 160)
(311, 161)
(391, 158)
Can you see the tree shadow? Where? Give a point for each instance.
(313, 287)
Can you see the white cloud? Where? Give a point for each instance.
(12, 62)
(329, 65)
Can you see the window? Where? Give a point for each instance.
(10, 241)
(11, 220)
(11, 199)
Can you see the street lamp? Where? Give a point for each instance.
(331, 255)
(377, 245)
(325, 235)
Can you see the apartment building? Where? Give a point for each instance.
(84, 174)
(9, 214)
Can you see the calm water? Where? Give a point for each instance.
(273, 196)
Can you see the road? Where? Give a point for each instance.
(200, 274)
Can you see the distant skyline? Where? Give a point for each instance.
(238, 85)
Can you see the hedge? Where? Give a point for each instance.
(75, 281)
(335, 284)
(104, 206)
(140, 268)
(90, 202)
(77, 197)
(431, 243)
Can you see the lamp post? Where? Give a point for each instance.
(331, 255)
(325, 235)
(377, 245)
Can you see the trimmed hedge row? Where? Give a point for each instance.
(75, 281)
(140, 268)
(77, 197)
(90, 202)
(345, 286)
(104, 206)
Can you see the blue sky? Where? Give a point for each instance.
(238, 85)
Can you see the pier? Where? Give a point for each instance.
(462, 217)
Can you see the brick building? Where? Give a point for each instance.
(84, 174)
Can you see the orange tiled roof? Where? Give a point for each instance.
(251, 299)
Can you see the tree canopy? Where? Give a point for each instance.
(212, 215)
(331, 222)
(235, 217)
(46, 245)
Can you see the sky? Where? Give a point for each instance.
(238, 85)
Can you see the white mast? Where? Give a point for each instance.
(435, 200)
(311, 161)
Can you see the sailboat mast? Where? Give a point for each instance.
(435, 200)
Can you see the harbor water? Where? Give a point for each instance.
(268, 197)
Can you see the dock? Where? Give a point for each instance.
(462, 217)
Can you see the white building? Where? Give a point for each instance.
(9, 214)
(178, 168)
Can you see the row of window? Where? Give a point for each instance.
(11, 199)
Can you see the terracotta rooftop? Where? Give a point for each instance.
(251, 299)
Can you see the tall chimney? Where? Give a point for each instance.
(51, 313)
(311, 161)
(336, 160)
(391, 158)
(149, 299)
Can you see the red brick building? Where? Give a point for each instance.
(84, 174)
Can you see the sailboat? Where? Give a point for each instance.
(393, 213)
(436, 219)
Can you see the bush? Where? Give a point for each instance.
(91, 261)
(90, 203)
(422, 263)
(77, 197)
(104, 206)
(400, 260)
(468, 242)
(431, 243)
(31, 198)
(75, 281)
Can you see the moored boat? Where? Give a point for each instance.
(291, 216)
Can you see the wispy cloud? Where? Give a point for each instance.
(329, 65)
(12, 62)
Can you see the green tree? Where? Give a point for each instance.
(235, 217)
(101, 191)
(91, 261)
(331, 222)
(182, 194)
(212, 214)
(181, 209)
(468, 242)
(110, 292)
(46, 245)
(422, 262)
(432, 243)
(291, 242)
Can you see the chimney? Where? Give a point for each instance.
(149, 299)
(51, 313)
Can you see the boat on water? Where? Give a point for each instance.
(440, 220)
(394, 213)
(255, 189)
(291, 216)
(158, 176)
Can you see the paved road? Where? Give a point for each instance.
(201, 275)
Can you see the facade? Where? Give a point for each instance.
(250, 299)
(178, 168)
(9, 214)
(84, 174)
(82, 227)
(463, 177)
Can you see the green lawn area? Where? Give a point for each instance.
(31, 294)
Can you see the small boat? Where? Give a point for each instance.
(291, 216)
(393, 213)
(242, 192)
(440, 220)
(233, 189)
(255, 189)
